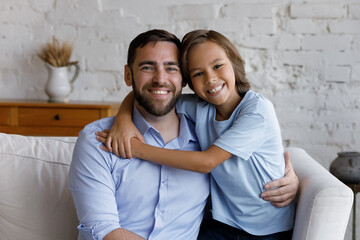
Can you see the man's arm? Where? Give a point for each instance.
(122, 234)
(93, 190)
(285, 188)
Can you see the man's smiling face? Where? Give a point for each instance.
(156, 78)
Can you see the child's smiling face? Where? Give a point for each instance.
(212, 74)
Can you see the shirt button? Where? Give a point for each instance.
(163, 181)
(158, 213)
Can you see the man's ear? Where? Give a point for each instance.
(127, 75)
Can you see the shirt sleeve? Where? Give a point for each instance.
(187, 105)
(246, 134)
(93, 188)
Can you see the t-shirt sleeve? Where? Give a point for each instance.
(93, 188)
(246, 134)
(187, 105)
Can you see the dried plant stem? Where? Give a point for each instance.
(56, 54)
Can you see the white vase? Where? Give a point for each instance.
(59, 86)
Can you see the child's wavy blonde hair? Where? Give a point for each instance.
(200, 36)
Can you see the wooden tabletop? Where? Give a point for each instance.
(39, 102)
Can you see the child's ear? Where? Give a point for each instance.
(127, 75)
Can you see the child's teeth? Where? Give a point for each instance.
(215, 90)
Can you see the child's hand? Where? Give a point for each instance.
(120, 134)
(117, 140)
(101, 137)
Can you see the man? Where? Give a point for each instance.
(134, 199)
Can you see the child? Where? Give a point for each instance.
(240, 137)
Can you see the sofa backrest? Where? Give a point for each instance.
(35, 202)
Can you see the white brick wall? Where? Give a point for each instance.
(327, 42)
(318, 10)
(303, 55)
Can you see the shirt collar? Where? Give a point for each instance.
(187, 128)
(142, 125)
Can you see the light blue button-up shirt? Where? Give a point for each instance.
(151, 200)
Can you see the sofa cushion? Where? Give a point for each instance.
(35, 202)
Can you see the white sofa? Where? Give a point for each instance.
(35, 202)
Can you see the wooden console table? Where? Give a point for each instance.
(43, 118)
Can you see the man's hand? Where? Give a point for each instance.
(285, 188)
(122, 234)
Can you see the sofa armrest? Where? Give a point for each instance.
(324, 203)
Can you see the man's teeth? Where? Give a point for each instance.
(160, 92)
(215, 90)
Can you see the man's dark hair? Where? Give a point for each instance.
(144, 38)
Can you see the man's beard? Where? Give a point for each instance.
(151, 106)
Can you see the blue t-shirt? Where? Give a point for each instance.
(151, 200)
(252, 135)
